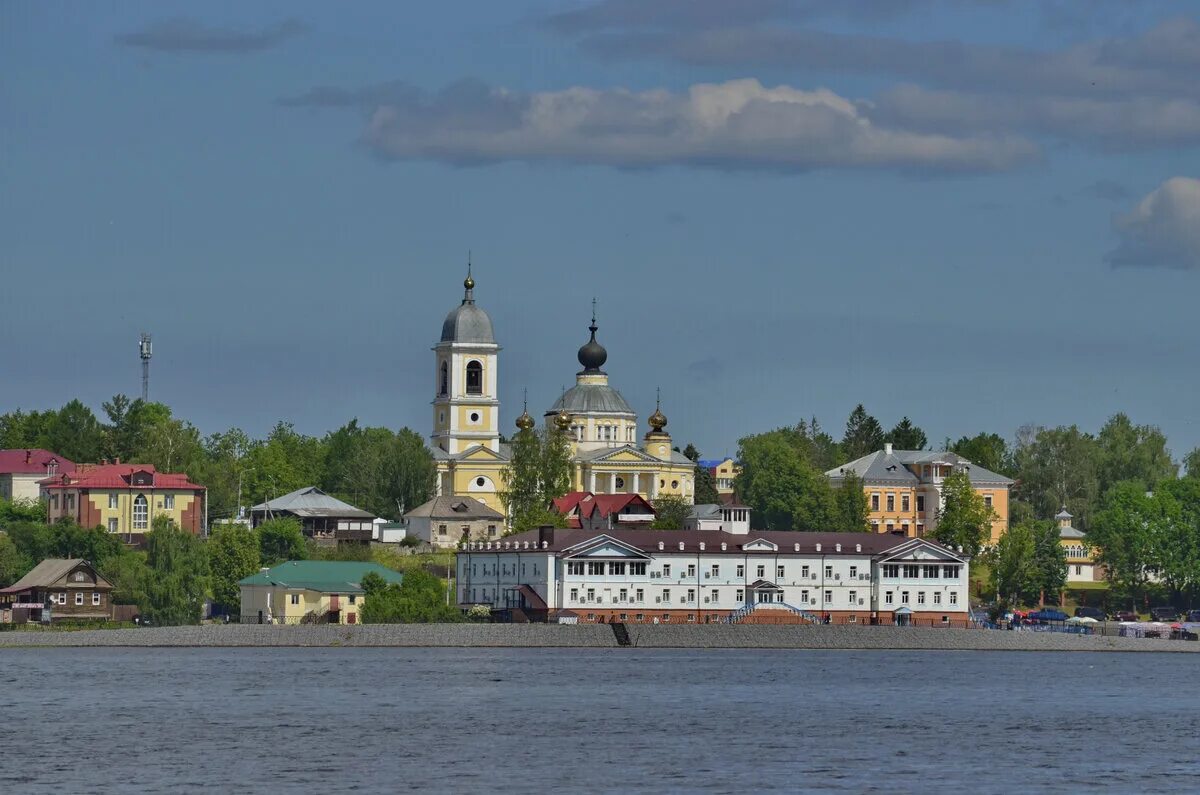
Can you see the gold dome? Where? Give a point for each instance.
(562, 420)
(525, 422)
(657, 420)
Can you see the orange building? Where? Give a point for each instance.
(125, 499)
(904, 488)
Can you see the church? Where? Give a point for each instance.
(600, 424)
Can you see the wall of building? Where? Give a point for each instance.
(276, 602)
(21, 487)
(429, 530)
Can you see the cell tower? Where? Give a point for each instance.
(145, 350)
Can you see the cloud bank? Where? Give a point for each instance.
(190, 35)
(1163, 230)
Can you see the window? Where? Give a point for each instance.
(691, 570)
(574, 594)
(575, 568)
(591, 594)
(853, 597)
(891, 570)
(904, 502)
(741, 571)
(591, 616)
(445, 380)
(890, 527)
(829, 572)
(623, 595)
(937, 597)
(828, 597)
(54, 500)
(887, 597)
(950, 572)
(353, 598)
(114, 525)
(804, 572)
(691, 618)
(920, 597)
(617, 569)
(762, 572)
(623, 616)
(953, 597)
(804, 596)
(639, 595)
(637, 569)
(921, 503)
(491, 531)
(441, 529)
(987, 500)
(715, 595)
(904, 597)
(1078, 569)
(930, 572)
(169, 501)
(912, 571)
(853, 572)
(639, 617)
(95, 599)
(674, 484)
(666, 597)
(295, 598)
(79, 597)
(141, 512)
(891, 502)
(691, 595)
(739, 595)
(474, 378)
(779, 572)
(620, 483)
(595, 568)
(716, 570)
(666, 570)
(112, 500)
(874, 502)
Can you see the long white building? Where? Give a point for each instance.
(679, 576)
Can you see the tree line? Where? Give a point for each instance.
(377, 469)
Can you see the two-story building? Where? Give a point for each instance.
(1081, 558)
(679, 576)
(586, 510)
(445, 521)
(724, 472)
(321, 517)
(308, 592)
(904, 489)
(730, 516)
(125, 499)
(22, 470)
(59, 589)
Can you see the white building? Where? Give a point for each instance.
(730, 518)
(680, 576)
(446, 521)
(21, 470)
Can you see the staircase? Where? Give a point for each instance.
(621, 634)
(738, 616)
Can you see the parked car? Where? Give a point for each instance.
(1125, 615)
(1193, 616)
(1164, 613)
(1090, 612)
(1041, 616)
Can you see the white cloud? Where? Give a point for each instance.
(1163, 231)
(739, 124)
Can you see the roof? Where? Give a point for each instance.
(327, 576)
(607, 504)
(459, 507)
(713, 463)
(648, 540)
(49, 572)
(118, 476)
(708, 510)
(1063, 514)
(882, 466)
(592, 398)
(1071, 532)
(467, 323)
(32, 461)
(569, 501)
(311, 501)
(731, 501)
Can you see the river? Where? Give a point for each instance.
(611, 720)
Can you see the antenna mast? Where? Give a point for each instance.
(145, 350)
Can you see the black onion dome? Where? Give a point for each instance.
(592, 355)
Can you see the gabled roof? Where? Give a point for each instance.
(460, 507)
(327, 576)
(610, 452)
(708, 510)
(1071, 532)
(32, 461)
(604, 505)
(568, 502)
(908, 546)
(118, 476)
(311, 501)
(599, 542)
(884, 467)
(51, 572)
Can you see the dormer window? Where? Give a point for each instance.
(474, 378)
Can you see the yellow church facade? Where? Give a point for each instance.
(601, 426)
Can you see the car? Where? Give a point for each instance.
(1125, 615)
(1192, 617)
(1164, 613)
(1041, 616)
(1090, 612)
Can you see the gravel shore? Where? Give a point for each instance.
(724, 636)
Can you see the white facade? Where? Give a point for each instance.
(21, 487)
(614, 573)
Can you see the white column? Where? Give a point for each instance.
(637, 482)
(653, 485)
(592, 481)
(612, 482)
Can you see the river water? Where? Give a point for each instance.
(611, 720)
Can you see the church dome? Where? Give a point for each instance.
(592, 354)
(525, 422)
(467, 322)
(591, 399)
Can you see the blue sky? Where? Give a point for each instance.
(977, 214)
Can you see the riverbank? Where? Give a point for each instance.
(724, 636)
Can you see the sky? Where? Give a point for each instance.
(979, 214)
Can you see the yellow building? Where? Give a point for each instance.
(308, 592)
(601, 425)
(1081, 557)
(724, 471)
(124, 498)
(904, 489)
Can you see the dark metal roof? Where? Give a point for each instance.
(591, 398)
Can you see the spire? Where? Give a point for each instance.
(469, 283)
(562, 420)
(525, 422)
(592, 355)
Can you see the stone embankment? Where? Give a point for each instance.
(722, 636)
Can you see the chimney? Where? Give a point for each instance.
(887, 448)
(546, 535)
(28, 456)
(117, 460)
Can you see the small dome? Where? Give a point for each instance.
(562, 420)
(657, 421)
(467, 323)
(525, 422)
(592, 355)
(592, 399)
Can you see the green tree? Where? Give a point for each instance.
(12, 565)
(75, 433)
(863, 435)
(69, 540)
(419, 598)
(128, 574)
(691, 453)
(988, 450)
(852, 507)
(1014, 577)
(1191, 462)
(177, 581)
(966, 520)
(1122, 533)
(906, 436)
(233, 553)
(670, 512)
(1175, 537)
(1049, 558)
(222, 468)
(21, 511)
(410, 471)
(283, 462)
(279, 540)
(706, 487)
(538, 471)
(819, 448)
(781, 486)
(19, 429)
(1057, 467)
(555, 465)
(1132, 452)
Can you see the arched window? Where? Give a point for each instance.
(474, 378)
(445, 379)
(141, 512)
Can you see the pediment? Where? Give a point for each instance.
(479, 453)
(921, 550)
(606, 547)
(760, 545)
(627, 454)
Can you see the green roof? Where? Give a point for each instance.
(328, 576)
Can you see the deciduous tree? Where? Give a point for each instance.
(966, 521)
(177, 581)
(233, 553)
(279, 540)
(670, 512)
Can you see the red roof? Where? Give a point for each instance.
(118, 476)
(32, 461)
(607, 504)
(569, 501)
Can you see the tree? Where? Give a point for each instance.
(410, 471)
(555, 465)
(1014, 578)
(670, 512)
(12, 566)
(222, 469)
(19, 429)
(75, 433)
(539, 470)
(852, 507)
(128, 573)
(419, 598)
(233, 553)
(21, 511)
(1132, 452)
(1122, 533)
(1057, 467)
(706, 487)
(691, 453)
(283, 462)
(1049, 558)
(279, 540)
(820, 449)
(781, 486)
(988, 450)
(177, 581)
(863, 435)
(1192, 463)
(966, 520)
(906, 436)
